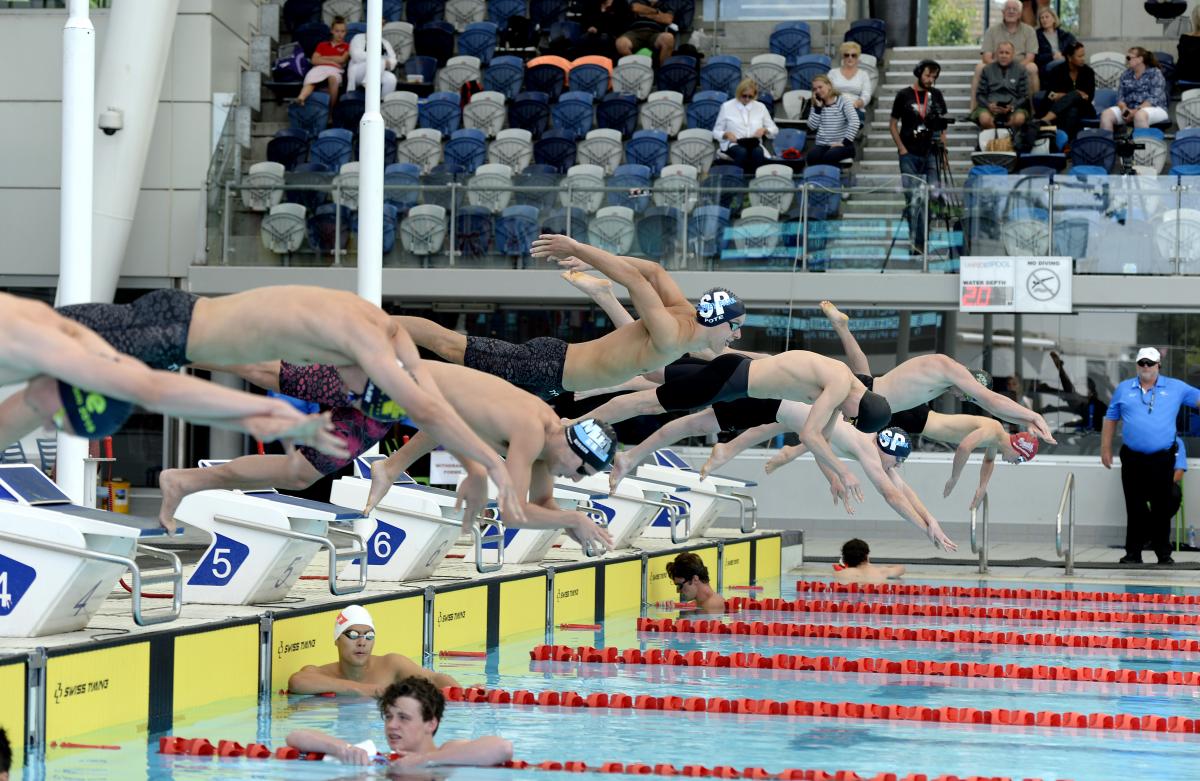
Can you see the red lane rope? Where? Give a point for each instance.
(737, 604)
(821, 709)
(903, 634)
(1053, 595)
(840, 664)
(202, 747)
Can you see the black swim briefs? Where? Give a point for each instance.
(153, 328)
(911, 420)
(691, 386)
(536, 366)
(746, 413)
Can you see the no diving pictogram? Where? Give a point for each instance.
(1043, 284)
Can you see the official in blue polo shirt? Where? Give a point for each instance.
(1147, 407)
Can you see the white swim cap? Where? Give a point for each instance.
(351, 615)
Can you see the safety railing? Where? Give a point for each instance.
(980, 545)
(1066, 506)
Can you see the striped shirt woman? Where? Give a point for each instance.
(835, 122)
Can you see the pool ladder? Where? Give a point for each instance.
(1066, 506)
(980, 509)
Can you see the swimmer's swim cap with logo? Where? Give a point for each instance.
(874, 412)
(351, 615)
(593, 441)
(377, 405)
(895, 442)
(718, 306)
(1025, 444)
(91, 415)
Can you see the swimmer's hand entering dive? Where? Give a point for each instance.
(315, 431)
(585, 531)
(938, 537)
(472, 495)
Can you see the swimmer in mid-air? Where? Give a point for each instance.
(857, 566)
(412, 710)
(60, 359)
(546, 367)
(358, 671)
(690, 576)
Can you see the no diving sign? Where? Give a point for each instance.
(1043, 285)
(1033, 285)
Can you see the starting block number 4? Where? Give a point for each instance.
(224, 559)
(15, 580)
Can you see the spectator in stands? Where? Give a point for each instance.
(1070, 89)
(1003, 92)
(329, 62)
(850, 80)
(1052, 40)
(1089, 408)
(918, 115)
(856, 566)
(742, 121)
(603, 22)
(356, 73)
(1142, 94)
(1023, 40)
(648, 30)
(1030, 10)
(835, 123)
(1187, 64)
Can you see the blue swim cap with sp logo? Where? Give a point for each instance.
(895, 442)
(717, 306)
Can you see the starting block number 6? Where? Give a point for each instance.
(222, 562)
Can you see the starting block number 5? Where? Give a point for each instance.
(15, 579)
(222, 562)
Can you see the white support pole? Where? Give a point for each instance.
(75, 207)
(370, 173)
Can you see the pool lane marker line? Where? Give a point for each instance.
(1044, 594)
(752, 661)
(904, 634)
(739, 604)
(202, 747)
(821, 709)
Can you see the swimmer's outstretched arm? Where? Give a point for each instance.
(481, 752)
(626, 406)
(985, 475)
(819, 426)
(310, 741)
(1001, 406)
(697, 424)
(931, 527)
(542, 511)
(639, 383)
(961, 454)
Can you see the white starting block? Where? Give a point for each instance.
(705, 495)
(261, 543)
(59, 561)
(635, 505)
(412, 528)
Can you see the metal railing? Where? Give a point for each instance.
(1066, 506)
(981, 546)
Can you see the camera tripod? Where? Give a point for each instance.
(945, 205)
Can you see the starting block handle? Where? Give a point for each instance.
(682, 514)
(747, 507)
(599, 518)
(358, 548)
(477, 534)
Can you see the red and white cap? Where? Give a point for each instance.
(1025, 444)
(350, 616)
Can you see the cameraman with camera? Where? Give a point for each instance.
(918, 127)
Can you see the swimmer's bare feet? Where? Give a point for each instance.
(592, 287)
(622, 463)
(719, 457)
(834, 315)
(784, 456)
(172, 483)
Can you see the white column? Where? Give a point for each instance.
(75, 207)
(370, 174)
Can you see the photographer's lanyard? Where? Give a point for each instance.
(922, 107)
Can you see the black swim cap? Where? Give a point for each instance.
(377, 405)
(718, 305)
(874, 412)
(91, 415)
(593, 441)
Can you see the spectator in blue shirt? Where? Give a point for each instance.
(1141, 94)
(1147, 406)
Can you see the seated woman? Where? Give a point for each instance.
(1070, 89)
(1142, 95)
(329, 62)
(1053, 41)
(835, 122)
(850, 80)
(1187, 64)
(742, 121)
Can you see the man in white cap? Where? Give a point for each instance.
(1146, 406)
(357, 671)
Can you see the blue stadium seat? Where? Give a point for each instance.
(678, 73)
(348, 112)
(703, 110)
(871, 38)
(789, 138)
(1054, 161)
(547, 12)
(466, 148)
(436, 40)
(543, 177)
(706, 229)
(725, 186)
(309, 35)
(1103, 99)
(1094, 147)
(823, 202)
(1076, 170)
(390, 216)
(1166, 64)
(590, 78)
(618, 111)
(408, 176)
(479, 40)
(298, 12)
(1184, 170)
(658, 231)
(530, 111)
(393, 10)
(566, 31)
(573, 113)
(1185, 149)
(312, 117)
(425, 67)
(721, 73)
(473, 231)
(634, 181)
(545, 77)
(308, 174)
(436, 182)
(648, 148)
(323, 226)
(333, 148)
(390, 141)
(500, 10)
(802, 71)
(420, 12)
(355, 28)
(768, 100)
(516, 228)
(288, 148)
(556, 221)
(556, 148)
(440, 111)
(505, 74)
(791, 40)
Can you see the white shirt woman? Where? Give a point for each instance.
(744, 119)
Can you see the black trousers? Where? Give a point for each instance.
(1148, 481)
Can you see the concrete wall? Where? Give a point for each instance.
(209, 47)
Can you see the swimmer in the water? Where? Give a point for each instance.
(61, 358)
(538, 447)
(412, 710)
(857, 566)
(358, 671)
(926, 377)
(303, 325)
(690, 576)
(668, 328)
